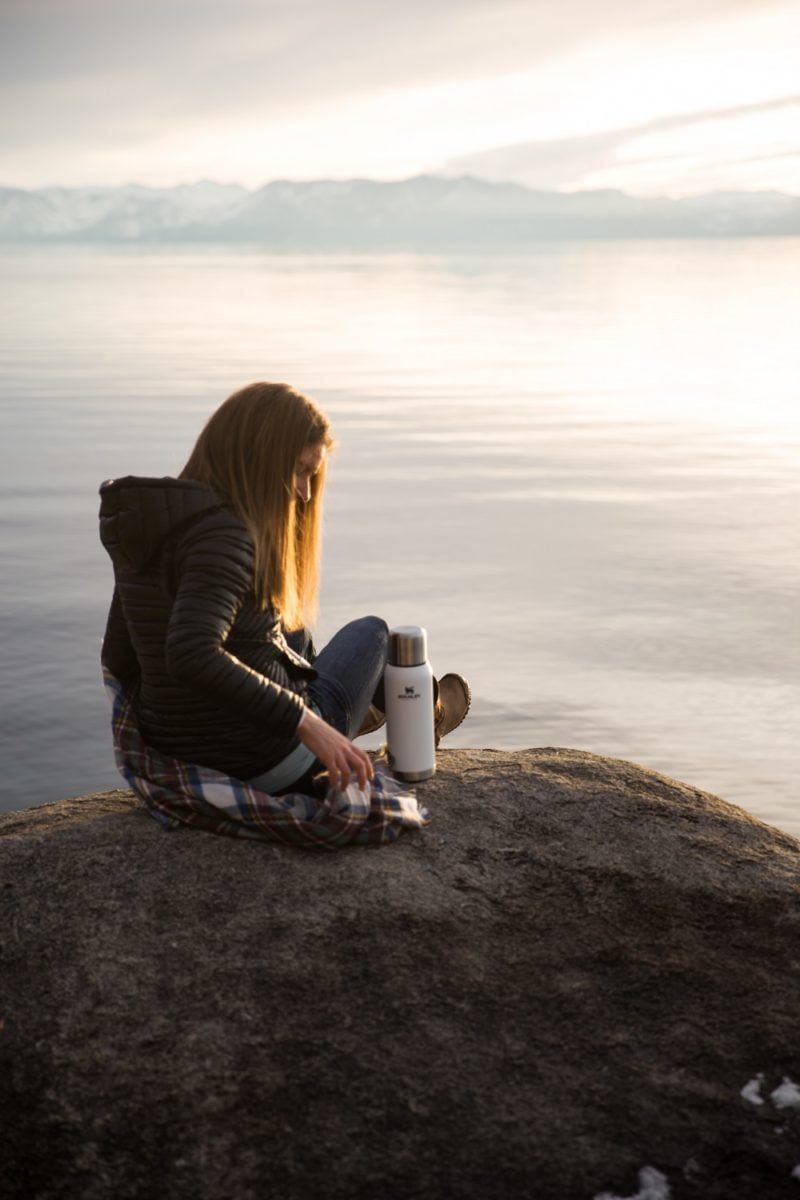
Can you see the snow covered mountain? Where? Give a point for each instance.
(125, 213)
(422, 212)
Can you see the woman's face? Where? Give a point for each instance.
(306, 467)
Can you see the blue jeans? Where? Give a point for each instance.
(349, 679)
(349, 673)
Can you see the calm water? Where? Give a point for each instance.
(577, 467)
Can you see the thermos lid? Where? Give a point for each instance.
(408, 646)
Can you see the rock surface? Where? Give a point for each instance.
(570, 976)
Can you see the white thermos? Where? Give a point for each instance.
(408, 691)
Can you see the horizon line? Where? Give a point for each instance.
(493, 183)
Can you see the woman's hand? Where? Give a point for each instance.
(336, 752)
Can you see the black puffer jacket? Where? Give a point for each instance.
(213, 679)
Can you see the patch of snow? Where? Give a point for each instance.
(751, 1090)
(652, 1186)
(787, 1095)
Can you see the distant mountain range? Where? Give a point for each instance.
(426, 212)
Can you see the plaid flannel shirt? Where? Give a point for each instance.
(185, 794)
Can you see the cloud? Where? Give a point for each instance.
(103, 91)
(559, 163)
(209, 56)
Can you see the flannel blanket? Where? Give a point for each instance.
(184, 794)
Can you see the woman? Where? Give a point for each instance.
(217, 575)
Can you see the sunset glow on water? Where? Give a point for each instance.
(577, 467)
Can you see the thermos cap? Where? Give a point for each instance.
(408, 646)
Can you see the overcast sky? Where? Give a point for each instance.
(653, 96)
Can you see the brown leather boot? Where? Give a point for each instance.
(452, 698)
(373, 719)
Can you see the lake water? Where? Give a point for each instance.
(576, 466)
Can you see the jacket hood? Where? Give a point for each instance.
(138, 514)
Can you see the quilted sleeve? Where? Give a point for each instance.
(118, 653)
(214, 577)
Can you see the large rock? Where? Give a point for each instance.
(559, 989)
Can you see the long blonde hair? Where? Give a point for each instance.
(249, 450)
